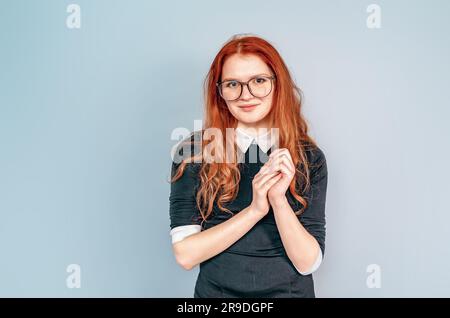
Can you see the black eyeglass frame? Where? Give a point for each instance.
(271, 78)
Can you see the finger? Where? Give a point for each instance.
(266, 177)
(262, 173)
(275, 164)
(271, 182)
(260, 183)
(285, 152)
(257, 182)
(288, 164)
(268, 162)
(275, 152)
(288, 153)
(264, 170)
(288, 159)
(268, 169)
(284, 169)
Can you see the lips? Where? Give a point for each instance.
(249, 105)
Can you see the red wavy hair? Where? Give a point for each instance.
(219, 181)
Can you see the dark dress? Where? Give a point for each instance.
(256, 265)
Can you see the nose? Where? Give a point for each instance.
(246, 93)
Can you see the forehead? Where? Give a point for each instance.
(243, 67)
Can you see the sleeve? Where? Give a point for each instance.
(179, 233)
(314, 267)
(183, 208)
(313, 218)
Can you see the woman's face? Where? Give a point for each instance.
(242, 68)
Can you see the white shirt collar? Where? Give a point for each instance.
(264, 140)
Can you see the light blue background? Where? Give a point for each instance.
(86, 117)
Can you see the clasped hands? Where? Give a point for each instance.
(273, 180)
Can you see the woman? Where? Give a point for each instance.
(256, 227)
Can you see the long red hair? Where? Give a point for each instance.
(219, 181)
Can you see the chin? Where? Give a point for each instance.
(250, 119)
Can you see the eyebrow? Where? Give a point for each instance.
(235, 79)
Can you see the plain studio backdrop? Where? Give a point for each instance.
(88, 106)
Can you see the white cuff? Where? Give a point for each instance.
(180, 232)
(315, 266)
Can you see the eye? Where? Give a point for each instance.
(260, 80)
(231, 84)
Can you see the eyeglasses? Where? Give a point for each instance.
(259, 86)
